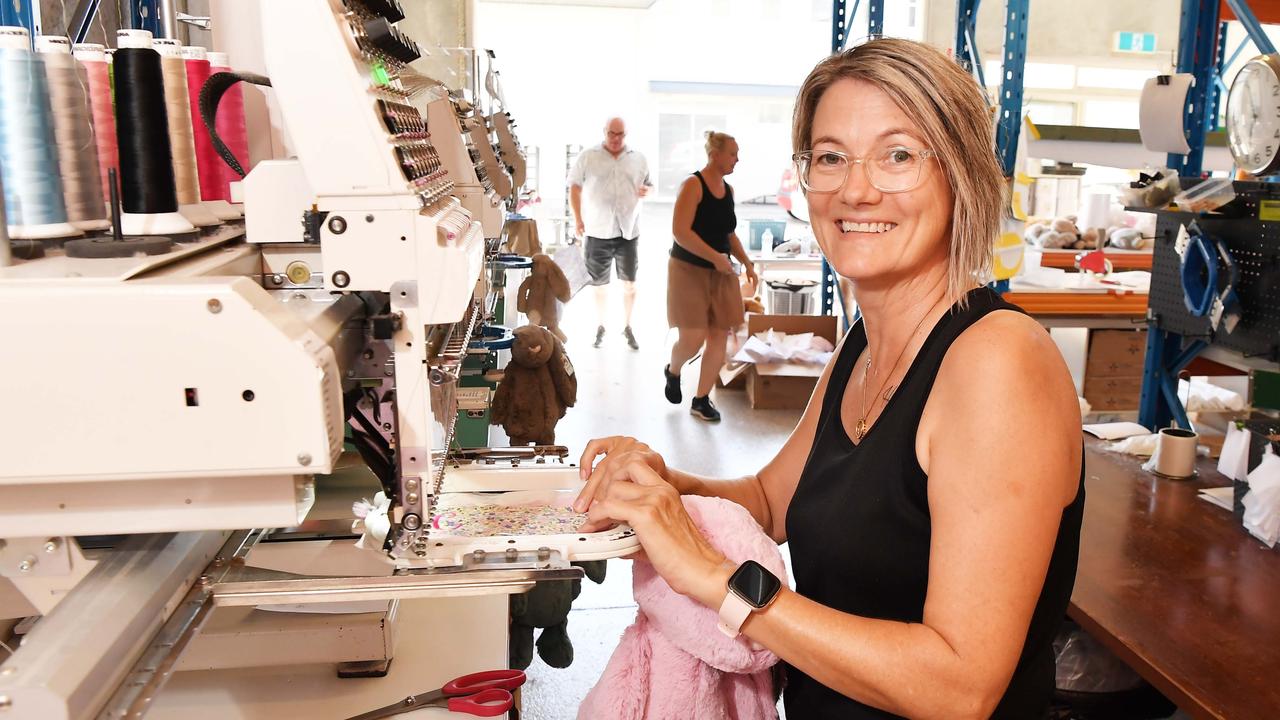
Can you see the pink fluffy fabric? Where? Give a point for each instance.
(673, 662)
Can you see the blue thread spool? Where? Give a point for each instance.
(28, 153)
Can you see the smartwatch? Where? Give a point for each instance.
(750, 589)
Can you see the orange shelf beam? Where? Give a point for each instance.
(1068, 303)
(1119, 261)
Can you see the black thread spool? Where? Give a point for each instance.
(142, 128)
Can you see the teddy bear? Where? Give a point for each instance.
(547, 606)
(540, 294)
(1126, 238)
(537, 386)
(1060, 233)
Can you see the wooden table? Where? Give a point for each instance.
(1178, 590)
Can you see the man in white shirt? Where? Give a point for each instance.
(605, 188)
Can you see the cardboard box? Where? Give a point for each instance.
(786, 385)
(733, 375)
(1116, 353)
(1113, 393)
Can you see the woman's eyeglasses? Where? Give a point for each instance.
(890, 170)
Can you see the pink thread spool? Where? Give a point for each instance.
(208, 164)
(94, 59)
(230, 124)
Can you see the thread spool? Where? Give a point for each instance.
(93, 58)
(6, 255)
(73, 129)
(181, 140)
(28, 154)
(208, 163)
(230, 125)
(150, 197)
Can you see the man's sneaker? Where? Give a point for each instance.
(599, 337)
(631, 338)
(702, 409)
(673, 386)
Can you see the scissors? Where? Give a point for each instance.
(482, 694)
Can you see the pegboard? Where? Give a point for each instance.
(1254, 246)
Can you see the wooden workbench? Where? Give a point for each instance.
(1178, 590)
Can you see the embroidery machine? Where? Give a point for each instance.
(168, 411)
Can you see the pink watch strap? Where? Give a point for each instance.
(734, 611)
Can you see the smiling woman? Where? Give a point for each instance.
(932, 492)
(907, 84)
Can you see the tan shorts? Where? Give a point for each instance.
(699, 297)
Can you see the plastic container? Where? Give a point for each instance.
(1206, 196)
(791, 297)
(756, 234)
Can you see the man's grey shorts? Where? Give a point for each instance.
(599, 253)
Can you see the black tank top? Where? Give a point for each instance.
(713, 221)
(859, 527)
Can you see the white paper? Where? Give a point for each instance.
(1160, 114)
(1262, 503)
(1234, 460)
(1116, 430)
(1202, 396)
(1136, 445)
(1223, 497)
(777, 347)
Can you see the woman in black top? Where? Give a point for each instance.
(704, 302)
(932, 492)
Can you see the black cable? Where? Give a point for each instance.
(142, 130)
(210, 95)
(381, 467)
(350, 401)
(373, 431)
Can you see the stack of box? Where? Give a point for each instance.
(1113, 370)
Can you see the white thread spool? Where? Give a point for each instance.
(1175, 455)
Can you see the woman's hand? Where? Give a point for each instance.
(722, 264)
(618, 450)
(640, 497)
(752, 277)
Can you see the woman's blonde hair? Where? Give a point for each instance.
(947, 105)
(716, 140)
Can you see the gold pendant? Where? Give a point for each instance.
(860, 429)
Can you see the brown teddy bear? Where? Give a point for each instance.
(538, 294)
(537, 386)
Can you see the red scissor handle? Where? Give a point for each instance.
(475, 682)
(486, 703)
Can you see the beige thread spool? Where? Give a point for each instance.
(181, 137)
(73, 129)
(1176, 453)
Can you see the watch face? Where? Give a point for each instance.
(753, 583)
(1253, 117)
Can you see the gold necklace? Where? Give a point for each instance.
(862, 427)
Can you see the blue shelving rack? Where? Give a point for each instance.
(841, 19)
(1201, 52)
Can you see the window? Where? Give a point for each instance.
(1115, 78)
(1050, 113)
(1045, 76)
(774, 113)
(680, 147)
(822, 11)
(1111, 113)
